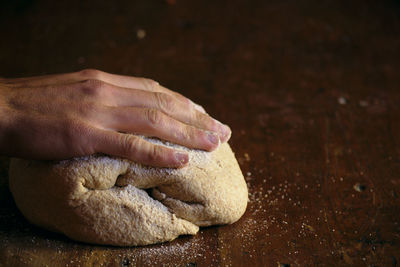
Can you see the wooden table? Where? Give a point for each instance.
(310, 88)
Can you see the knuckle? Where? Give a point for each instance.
(150, 84)
(208, 122)
(189, 134)
(192, 136)
(129, 144)
(155, 154)
(164, 101)
(141, 150)
(154, 117)
(90, 74)
(198, 117)
(95, 88)
(211, 123)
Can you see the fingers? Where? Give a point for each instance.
(188, 114)
(132, 83)
(180, 110)
(127, 82)
(138, 150)
(92, 74)
(152, 122)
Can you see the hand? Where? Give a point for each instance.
(87, 112)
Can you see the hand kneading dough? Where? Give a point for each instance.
(104, 200)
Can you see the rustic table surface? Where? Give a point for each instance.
(311, 90)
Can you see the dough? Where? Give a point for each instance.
(105, 200)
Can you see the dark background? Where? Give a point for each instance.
(311, 90)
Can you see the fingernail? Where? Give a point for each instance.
(213, 138)
(225, 132)
(182, 158)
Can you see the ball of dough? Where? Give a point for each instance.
(105, 200)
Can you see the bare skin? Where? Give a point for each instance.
(76, 114)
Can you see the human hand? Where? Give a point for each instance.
(76, 114)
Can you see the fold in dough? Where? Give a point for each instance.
(105, 200)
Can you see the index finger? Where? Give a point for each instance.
(93, 74)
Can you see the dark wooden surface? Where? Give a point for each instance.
(310, 88)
